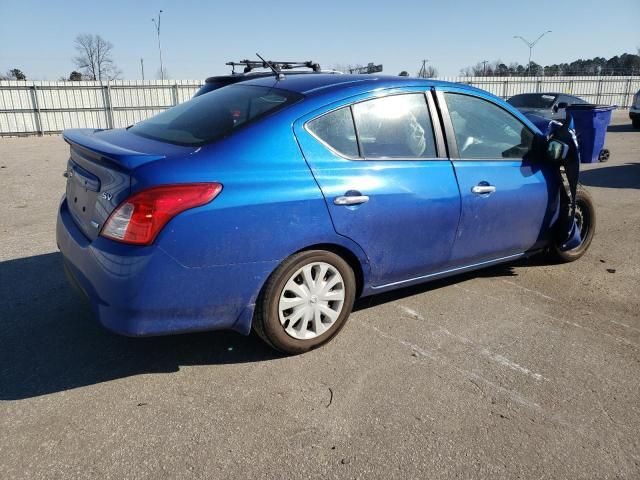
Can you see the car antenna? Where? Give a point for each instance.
(276, 71)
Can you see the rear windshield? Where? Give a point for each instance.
(532, 100)
(214, 115)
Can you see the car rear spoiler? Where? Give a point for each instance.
(85, 140)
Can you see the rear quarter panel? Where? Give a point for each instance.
(269, 208)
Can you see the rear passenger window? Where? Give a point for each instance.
(397, 126)
(336, 130)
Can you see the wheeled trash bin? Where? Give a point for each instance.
(591, 122)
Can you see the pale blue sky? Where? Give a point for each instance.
(199, 36)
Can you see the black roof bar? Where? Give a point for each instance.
(251, 64)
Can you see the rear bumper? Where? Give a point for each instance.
(142, 291)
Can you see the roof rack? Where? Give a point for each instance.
(251, 64)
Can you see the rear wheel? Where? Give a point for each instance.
(305, 302)
(586, 223)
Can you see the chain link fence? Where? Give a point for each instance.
(37, 108)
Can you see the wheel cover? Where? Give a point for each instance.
(311, 301)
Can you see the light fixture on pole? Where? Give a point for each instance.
(531, 45)
(157, 24)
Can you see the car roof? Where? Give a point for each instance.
(321, 83)
(537, 93)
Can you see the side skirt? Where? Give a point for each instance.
(372, 290)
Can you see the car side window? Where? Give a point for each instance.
(396, 126)
(336, 130)
(572, 100)
(485, 131)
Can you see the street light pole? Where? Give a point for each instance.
(157, 24)
(531, 45)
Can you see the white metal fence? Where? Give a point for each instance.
(32, 108)
(36, 108)
(600, 90)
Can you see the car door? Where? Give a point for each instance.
(509, 197)
(387, 182)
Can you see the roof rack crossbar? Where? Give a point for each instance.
(249, 65)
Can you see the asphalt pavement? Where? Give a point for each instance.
(526, 370)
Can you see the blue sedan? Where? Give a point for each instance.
(274, 203)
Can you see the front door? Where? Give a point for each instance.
(509, 197)
(387, 187)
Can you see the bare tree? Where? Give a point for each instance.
(13, 74)
(429, 72)
(94, 58)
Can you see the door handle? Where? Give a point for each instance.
(483, 189)
(351, 200)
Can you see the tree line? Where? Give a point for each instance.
(93, 61)
(624, 65)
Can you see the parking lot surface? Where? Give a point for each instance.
(527, 370)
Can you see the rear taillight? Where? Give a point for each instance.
(139, 219)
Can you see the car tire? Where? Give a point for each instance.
(635, 123)
(586, 218)
(316, 315)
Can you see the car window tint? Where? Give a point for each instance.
(533, 100)
(397, 126)
(208, 117)
(484, 130)
(337, 131)
(571, 100)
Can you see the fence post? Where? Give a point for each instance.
(627, 94)
(175, 94)
(505, 89)
(108, 109)
(599, 91)
(36, 108)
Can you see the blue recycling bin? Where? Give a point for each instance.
(591, 122)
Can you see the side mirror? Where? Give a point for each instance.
(557, 150)
(560, 106)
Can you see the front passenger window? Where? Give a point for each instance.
(485, 131)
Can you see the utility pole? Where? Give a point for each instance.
(531, 45)
(142, 67)
(423, 70)
(157, 24)
(484, 67)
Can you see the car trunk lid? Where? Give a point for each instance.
(99, 172)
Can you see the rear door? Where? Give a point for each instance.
(388, 185)
(509, 197)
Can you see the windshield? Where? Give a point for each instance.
(533, 100)
(214, 115)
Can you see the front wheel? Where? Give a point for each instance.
(586, 223)
(305, 302)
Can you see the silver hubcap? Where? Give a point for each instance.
(311, 301)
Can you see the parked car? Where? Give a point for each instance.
(550, 106)
(634, 111)
(273, 204)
